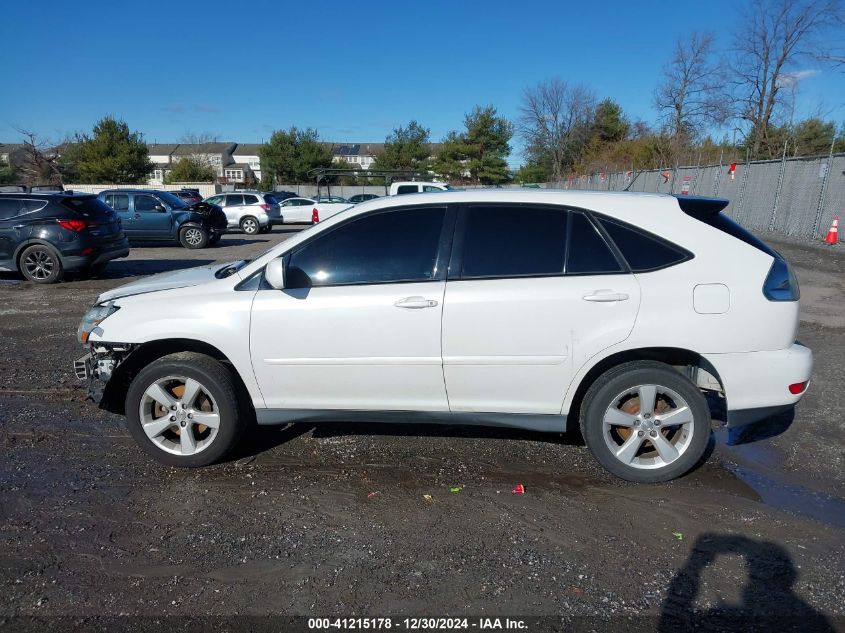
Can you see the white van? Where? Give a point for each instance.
(399, 188)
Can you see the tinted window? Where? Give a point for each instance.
(399, 245)
(88, 206)
(250, 199)
(509, 241)
(407, 189)
(173, 201)
(9, 208)
(215, 200)
(270, 199)
(118, 201)
(588, 252)
(144, 203)
(234, 200)
(642, 252)
(431, 188)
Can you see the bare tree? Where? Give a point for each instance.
(39, 162)
(777, 35)
(202, 146)
(554, 122)
(689, 97)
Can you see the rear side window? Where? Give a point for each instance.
(588, 252)
(250, 199)
(642, 251)
(118, 201)
(407, 189)
(396, 246)
(510, 241)
(10, 208)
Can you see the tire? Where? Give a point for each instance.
(619, 432)
(41, 264)
(213, 240)
(250, 225)
(160, 432)
(267, 229)
(193, 237)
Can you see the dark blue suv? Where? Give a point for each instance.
(44, 235)
(152, 215)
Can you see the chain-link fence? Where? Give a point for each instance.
(794, 196)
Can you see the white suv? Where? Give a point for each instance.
(613, 312)
(250, 211)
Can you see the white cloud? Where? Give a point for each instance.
(788, 80)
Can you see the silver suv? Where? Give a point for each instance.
(250, 211)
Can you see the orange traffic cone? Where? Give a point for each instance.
(833, 233)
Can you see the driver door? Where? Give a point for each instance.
(153, 218)
(358, 323)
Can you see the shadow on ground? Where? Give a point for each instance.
(768, 601)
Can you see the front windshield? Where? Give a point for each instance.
(173, 201)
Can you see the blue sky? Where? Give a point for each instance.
(353, 70)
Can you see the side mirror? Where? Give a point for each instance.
(160, 208)
(274, 273)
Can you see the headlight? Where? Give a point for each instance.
(92, 318)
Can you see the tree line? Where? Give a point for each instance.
(564, 127)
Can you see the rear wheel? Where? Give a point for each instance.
(267, 229)
(643, 421)
(41, 264)
(183, 410)
(193, 237)
(250, 225)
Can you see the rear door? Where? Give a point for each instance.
(233, 208)
(14, 226)
(119, 202)
(533, 291)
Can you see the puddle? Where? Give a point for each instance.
(791, 497)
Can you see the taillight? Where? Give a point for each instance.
(798, 387)
(315, 216)
(781, 283)
(266, 207)
(73, 225)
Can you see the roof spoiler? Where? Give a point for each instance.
(701, 206)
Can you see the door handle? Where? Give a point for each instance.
(605, 296)
(415, 303)
(137, 216)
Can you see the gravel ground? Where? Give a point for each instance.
(331, 520)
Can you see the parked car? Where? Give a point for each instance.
(280, 196)
(44, 235)
(250, 211)
(188, 196)
(400, 188)
(331, 200)
(544, 310)
(362, 197)
(152, 215)
(297, 210)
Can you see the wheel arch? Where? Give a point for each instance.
(673, 356)
(32, 241)
(115, 390)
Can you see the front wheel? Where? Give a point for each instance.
(193, 237)
(183, 410)
(645, 422)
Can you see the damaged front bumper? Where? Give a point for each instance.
(97, 367)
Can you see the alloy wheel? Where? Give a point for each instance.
(648, 426)
(193, 236)
(179, 415)
(39, 264)
(249, 226)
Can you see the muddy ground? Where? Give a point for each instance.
(331, 520)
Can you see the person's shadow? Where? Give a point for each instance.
(768, 601)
